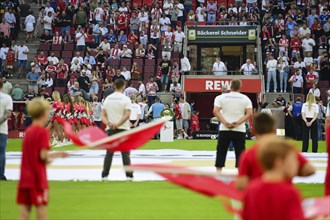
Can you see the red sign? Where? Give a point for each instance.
(216, 85)
(15, 134)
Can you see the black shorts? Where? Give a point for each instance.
(225, 137)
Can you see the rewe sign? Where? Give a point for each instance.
(211, 84)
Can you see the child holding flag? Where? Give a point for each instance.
(33, 184)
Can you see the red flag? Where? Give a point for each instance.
(94, 137)
(208, 184)
(316, 207)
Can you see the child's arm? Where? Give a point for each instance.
(48, 157)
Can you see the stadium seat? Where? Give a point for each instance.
(44, 46)
(150, 62)
(53, 76)
(67, 54)
(126, 62)
(127, 67)
(57, 47)
(131, 47)
(135, 83)
(58, 29)
(67, 60)
(49, 90)
(72, 31)
(324, 84)
(68, 47)
(61, 90)
(146, 76)
(139, 61)
(190, 23)
(114, 62)
(77, 75)
(45, 52)
(57, 53)
(149, 69)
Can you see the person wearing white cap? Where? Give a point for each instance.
(126, 52)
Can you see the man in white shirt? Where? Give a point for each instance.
(164, 23)
(181, 9)
(130, 90)
(248, 68)
(99, 14)
(116, 111)
(3, 56)
(303, 31)
(297, 82)
(142, 89)
(185, 65)
(104, 45)
(126, 52)
(6, 107)
(167, 6)
(48, 21)
(80, 59)
(80, 38)
(126, 73)
(22, 56)
(271, 72)
(219, 68)
(232, 110)
(135, 112)
(179, 37)
(307, 44)
(53, 59)
(49, 9)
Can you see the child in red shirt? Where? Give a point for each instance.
(249, 167)
(10, 61)
(33, 184)
(194, 122)
(271, 197)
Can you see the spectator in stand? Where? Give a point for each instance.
(75, 67)
(130, 90)
(115, 52)
(57, 39)
(151, 51)
(3, 56)
(185, 65)
(219, 68)
(167, 48)
(279, 102)
(126, 73)
(179, 37)
(17, 93)
(271, 72)
(308, 44)
(118, 76)
(122, 38)
(75, 90)
(29, 26)
(90, 59)
(284, 44)
(94, 79)
(175, 89)
(126, 52)
(165, 21)
(297, 82)
(30, 95)
(80, 18)
(167, 6)
(156, 109)
(111, 37)
(47, 81)
(165, 66)
(142, 89)
(174, 16)
(80, 39)
(315, 91)
(311, 18)
(84, 82)
(135, 71)
(152, 89)
(132, 38)
(32, 78)
(295, 46)
(154, 33)
(5, 28)
(11, 20)
(211, 9)
(320, 119)
(247, 68)
(201, 13)
(191, 16)
(10, 62)
(7, 86)
(48, 23)
(180, 9)
(175, 73)
(283, 68)
(64, 21)
(134, 23)
(45, 37)
(22, 52)
(71, 83)
(53, 59)
(140, 52)
(104, 45)
(303, 31)
(311, 78)
(78, 57)
(143, 30)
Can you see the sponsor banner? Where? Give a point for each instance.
(209, 84)
(16, 134)
(209, 135)
(227, 34)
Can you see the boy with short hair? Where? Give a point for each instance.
(33, 184)
(272, 197)
(249, 167)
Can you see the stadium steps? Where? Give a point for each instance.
(270, 97)
(23, 84)
(165, 97)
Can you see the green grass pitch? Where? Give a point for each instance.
(130, 200)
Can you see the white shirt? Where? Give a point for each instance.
(309, 113)
(167, 5)
(6, 103)
(53, 59)
(297, 65)
(267, 111)
(48, 22)
(219, 69)
(185, 64)
(233, 106)
(316, 92)
(180, 8)
(105, 46)
(308, 60)
(80, 39)
(115, 105)
(80, 59)
(164, 23)
(178, 37)
(126, 74)
(99, 14)
(297, 81)
(49, 9)
(142, 89)
(135, 112)
(271, 65)
(3, 52)
(247, 69)
(130, 91)
(306, 46)
(21, 55)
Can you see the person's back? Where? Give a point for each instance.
(272, 200)
(296, 109)
(157, 108)
(17, 94)
(115, 105)
(6, 103)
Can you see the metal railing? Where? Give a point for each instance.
(223, 73)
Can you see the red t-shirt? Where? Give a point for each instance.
(177, 112)
(295, 44)
(121, 22)
(249, 164)
(33, 170)
(311, 77)
(271, 201)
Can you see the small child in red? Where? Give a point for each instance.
(272, 197)
(33, 185)
(194, 122)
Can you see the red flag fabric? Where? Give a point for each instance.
(208, 184)
(316, 207)
(94, 137)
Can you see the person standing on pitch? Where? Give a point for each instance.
(232, 110)
(6, 107)
(116, 111)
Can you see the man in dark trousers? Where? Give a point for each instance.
(115, 115)
(295, 112)
(232, 110)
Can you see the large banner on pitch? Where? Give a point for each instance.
(211, 84)
(227, 34)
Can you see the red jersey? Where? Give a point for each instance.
(42, 59)
(272, 201)
(10, 59)
(132, 38)
(62, 68)
(249, 164)
(311, 77)
(50, 69)
(177, 112)
(194, 123)
(57, 106)
(295, 44)
(121, 21)
(33, 170)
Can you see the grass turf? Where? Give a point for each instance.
(126, 200)
(14, 145)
